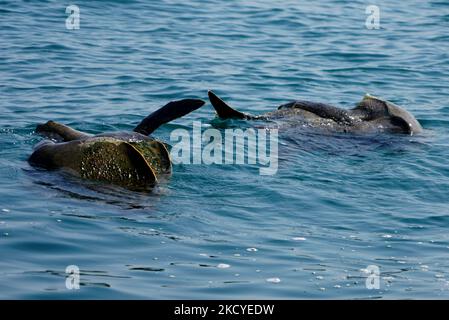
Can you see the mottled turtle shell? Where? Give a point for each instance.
(126, 159)
(114, 161)
(153, 151)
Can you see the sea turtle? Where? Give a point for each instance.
(370, 115)
(129, 159)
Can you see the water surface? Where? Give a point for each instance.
(337, 204)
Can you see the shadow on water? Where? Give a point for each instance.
(86, 275)
(347, 144)
(297, 138)
(69, 186)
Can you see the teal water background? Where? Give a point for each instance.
(337, 204)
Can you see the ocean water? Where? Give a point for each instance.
(338, 203)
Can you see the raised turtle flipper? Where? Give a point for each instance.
(102, 159)
(59, 132)
(167, 113)
(224, 111)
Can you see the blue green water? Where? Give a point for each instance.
(337, 204)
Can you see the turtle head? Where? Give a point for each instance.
(391, 116)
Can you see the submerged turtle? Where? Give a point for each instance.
(371, 115)
(130, 159)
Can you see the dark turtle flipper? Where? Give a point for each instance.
(320, 109)
(167, 113)
(224, 111)
(60, 132)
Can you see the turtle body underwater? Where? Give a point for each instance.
(370, 115)
(133, 160)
